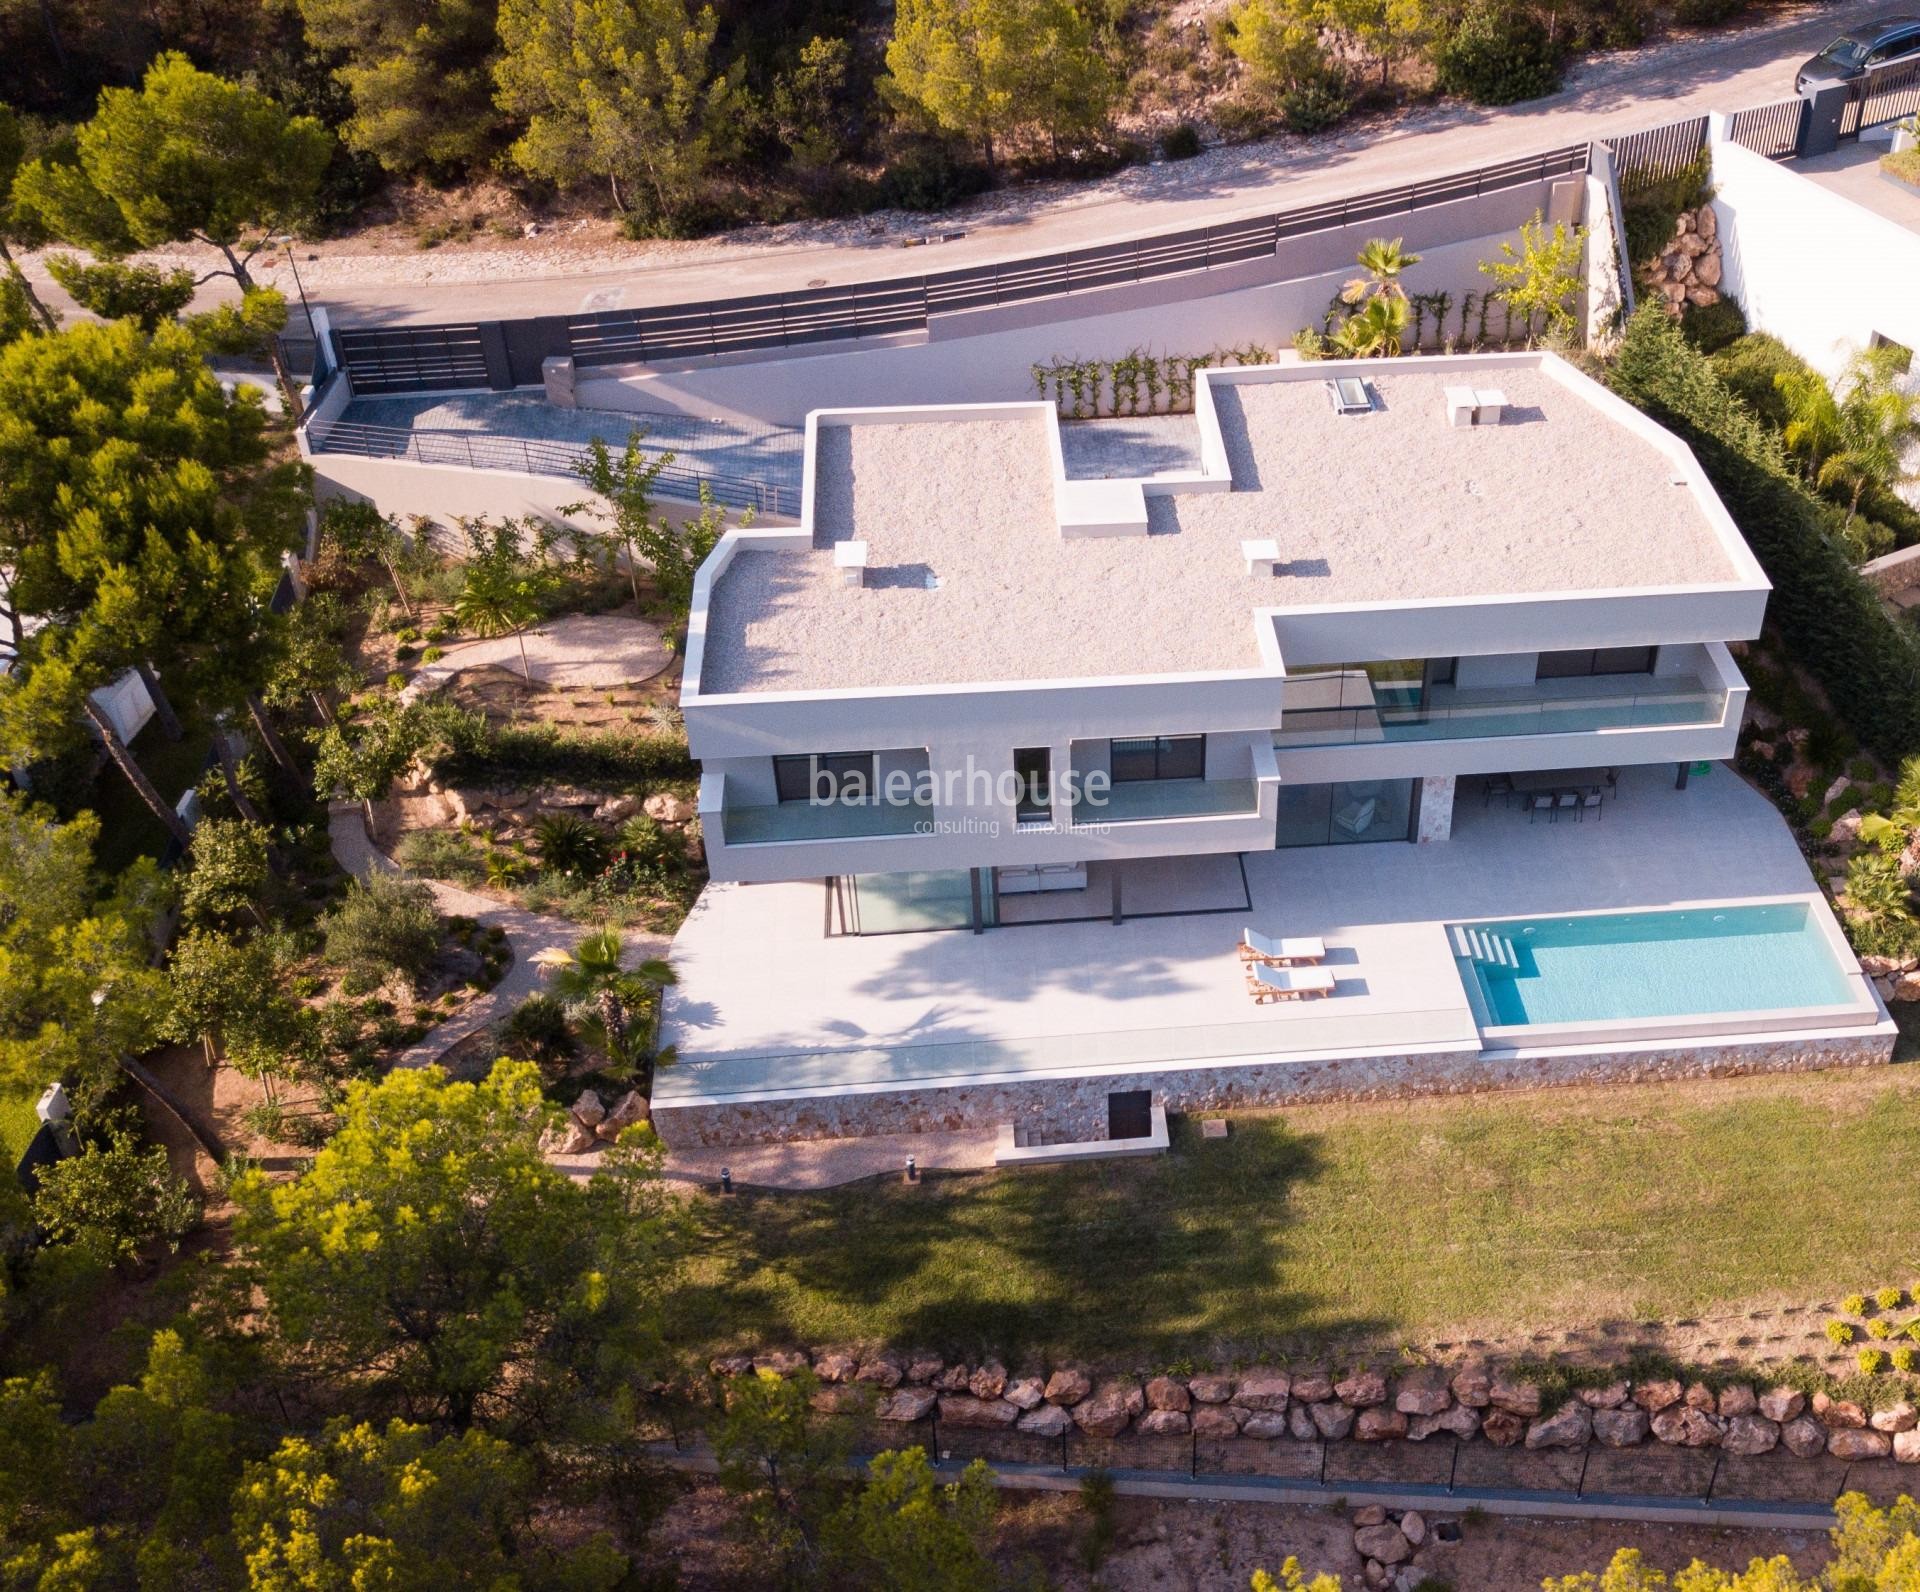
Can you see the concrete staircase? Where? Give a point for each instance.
(1489, 950)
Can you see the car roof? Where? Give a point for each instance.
(1873, 32)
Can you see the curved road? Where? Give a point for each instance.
(1616, 93)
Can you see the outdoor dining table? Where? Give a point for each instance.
(1560, 779)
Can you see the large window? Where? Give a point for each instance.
(1345, 814)
(1159, 757)
(1594, 660)
(828, 777)
(1033, 767)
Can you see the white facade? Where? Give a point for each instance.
(1469, 695)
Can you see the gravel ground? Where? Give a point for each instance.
(1375, 508)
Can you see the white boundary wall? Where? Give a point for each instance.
(1815, 269)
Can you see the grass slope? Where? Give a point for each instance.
(1402, 1222)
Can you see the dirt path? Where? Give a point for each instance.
(528, 933)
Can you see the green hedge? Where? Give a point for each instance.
(519, 754)
(1830, 618)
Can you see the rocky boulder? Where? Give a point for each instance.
(1106, 1411)
(1655, 1396)
(1162, 1423)
(1900, 1417)
(1384, 1543)
(1906, 1447)
(1216, 1420)
(1423, 1391)
(1853, 1443)
(1782, 1403)
(908, 1404)
(1503, 1428)
(1068, 1385)
(1267, 1390)
(1750, 1434)
(1473, 1384)
(1311, 1385)
(1376, 1423)
(1622, 1428)
(1457, 1419)
(835, 1365)
(924, 1367)
(628, 1111)
(1737, 1398)
(781, 1362)
(664, 808)
(989, 1382)
(1208, 1388)
(882, 1370)
(589, 1110)
(1514, 1395)
(1362, 1388)
(1569, 1427)
(1331, 1419)
(1686, 1427)
(1610, 1397)
(1271, 1423)
(1049, 1420)
(1840, 1414)
(963, 1409)
(1168, 1393)
(1804, 1437)
(1026, 1392)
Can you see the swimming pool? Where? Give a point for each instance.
(1537, 972)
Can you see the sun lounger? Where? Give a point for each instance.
(1287, 983)
(1257, 947)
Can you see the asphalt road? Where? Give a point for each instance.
(1617, 94)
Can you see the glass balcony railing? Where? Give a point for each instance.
(761, 826)
(1451, 715)
(1139, 801)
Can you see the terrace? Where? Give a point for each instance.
(755, 467)
(769, 1003)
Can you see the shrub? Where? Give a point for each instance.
(1880, 1328)
(567, 844)
(1839, 1334)
(1888, 1298)
(1913, 1329)
(1861, 771)
(440, 854)
(396, 680)
(1711, 327)
(1854, 1305)
(530, 753)
(1706, 13)
(385, 925)
(538, 1031)
(1314, 103)
(927, 177)
(1871, 1361)
(1180, 142)
(112, 1201)
(1498, 54)
(1905, 1358)
(433, 655)
(1827, 615)
(1748, 366)
(1905, 165)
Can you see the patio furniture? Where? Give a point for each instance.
(1257, 947)
(1356, 817)
(1591, 799)
(1286, 983)
(1500, 785)
(1565, 801)
(1538, 802)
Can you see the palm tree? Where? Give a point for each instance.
(1858, 433)
(1383, 262)
(1374, 331)
(618, 1008)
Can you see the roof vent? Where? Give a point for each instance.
(850, 558)
(1350, 396)
(1468, 407)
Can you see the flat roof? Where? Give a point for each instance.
(969, 578)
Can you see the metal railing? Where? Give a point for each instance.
(771, 824)
(1658, 152)
(1772, 130)
(1143, 801)
(1883, 95)
(423, 358)
(485, 450)
(1493, 715)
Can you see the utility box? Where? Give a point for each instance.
(558, 373)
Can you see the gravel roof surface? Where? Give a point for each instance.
(1389, 505)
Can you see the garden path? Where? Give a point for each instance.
(572, 652)
(528, 934)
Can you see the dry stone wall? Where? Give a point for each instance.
(1077, 1107)
(1475, 1401)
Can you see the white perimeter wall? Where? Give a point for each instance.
(1811, 267)
(988, 356)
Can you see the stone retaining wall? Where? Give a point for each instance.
(1473, 1402)
(1077, 1107)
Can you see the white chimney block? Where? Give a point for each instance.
(850, 558)
(1460, 406)
(53, 1105)
(1489, 404)
(1263, 557)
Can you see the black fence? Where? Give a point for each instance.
(1881, 96)
(1773, 130)
(1659, 152)
(504, 354)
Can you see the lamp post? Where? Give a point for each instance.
(285, 240)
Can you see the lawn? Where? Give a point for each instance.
(1407, 1222)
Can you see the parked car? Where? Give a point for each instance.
(1859, 50)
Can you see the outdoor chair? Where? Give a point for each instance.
(1565, 801)
(1257, 947)
(1356, 817)
(1594, 799)
(1538, 802)
(1500, 785)
(1286, 983)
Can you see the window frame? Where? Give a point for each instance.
(809, 762)
(1163, 748)
(1027, 807)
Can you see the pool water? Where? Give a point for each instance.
(1652, 964)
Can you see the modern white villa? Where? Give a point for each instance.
(1010, 742)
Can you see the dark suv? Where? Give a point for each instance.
(1859, 50)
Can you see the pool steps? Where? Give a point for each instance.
(1490, 950)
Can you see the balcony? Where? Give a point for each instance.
(1143, 801)
(1543, 707)
(786, 821)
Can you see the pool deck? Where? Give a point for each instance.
(769, 1006)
